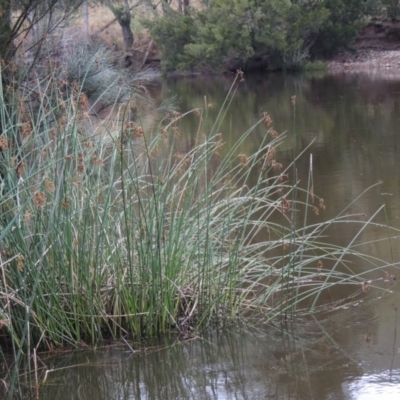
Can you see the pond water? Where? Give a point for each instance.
(350, 353)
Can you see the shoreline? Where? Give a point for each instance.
(365, 60)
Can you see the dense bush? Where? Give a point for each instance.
(172, 34)
(346, 17)
(273, 34)
(392, 8)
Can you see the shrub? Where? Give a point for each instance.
(392, 8)
(171, 34)
(314, 66)
(345, 20)
(233, 34)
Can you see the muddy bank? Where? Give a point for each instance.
(377, 47)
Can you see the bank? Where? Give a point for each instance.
(376, 47)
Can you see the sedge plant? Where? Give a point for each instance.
(113, 232)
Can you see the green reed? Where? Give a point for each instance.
(111, 231)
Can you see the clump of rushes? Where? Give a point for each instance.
(112, 233)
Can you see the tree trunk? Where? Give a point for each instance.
(7, 49)
(185, 7)
(166, 8)
(127, 34)
(123, 16)
(86, 19)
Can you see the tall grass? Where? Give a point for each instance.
(114, 232)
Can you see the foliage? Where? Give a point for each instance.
(219, 35)
(314, 66)
(40, 17)
(230, 33)
(392, 8)
(373, 8)
(122, 14)
(345, 20)
(92, 67)
(234, 34)
(305, 21)
(172, 34)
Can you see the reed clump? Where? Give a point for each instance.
(115, 231)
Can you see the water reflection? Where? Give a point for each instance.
(353, 122)
(310, 359)
(383, 386)
(236, 365)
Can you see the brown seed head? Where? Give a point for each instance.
(276, 166)
(285, 205)
(88, 144)
(49, 185)
(26, 129)
(3, 143)
(39, 200)
(95, 160)
(81, 163)
(28, 216)
(138, 132)
(272, 133)
(82, 115)
(65, 203)
(84, 101)
(163, 131)
(62, 122)
(270, 155)
(20, 262)
(240, 75)
(267, 120)
(243, 159)
(20, 169)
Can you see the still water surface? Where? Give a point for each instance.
(350, 353)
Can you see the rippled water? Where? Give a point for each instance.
(349, 353)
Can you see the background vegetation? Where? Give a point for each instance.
(275, 34)
(203, 35)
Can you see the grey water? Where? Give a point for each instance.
(349, 126)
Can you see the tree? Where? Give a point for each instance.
(345, 20)
(86, 19)
(18, 18)
(183, 6)
(231, 34)
(122, 13)
(172, 32)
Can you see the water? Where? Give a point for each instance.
(350, 353)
